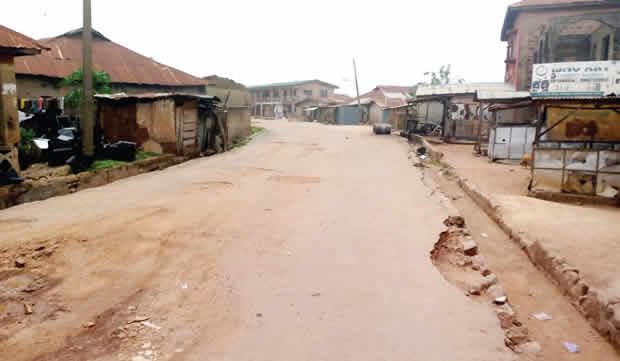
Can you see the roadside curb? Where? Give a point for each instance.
(602, 313)
(31, 191)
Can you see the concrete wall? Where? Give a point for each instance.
(527, 29)
(375, 114)
(239, 124)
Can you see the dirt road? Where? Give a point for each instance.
(310, 243)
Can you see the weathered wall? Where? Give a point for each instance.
(150, 125)
(239, 124)
(375, 114)
(30, 87)
(528, 27)
(9, 120)
(429, 112)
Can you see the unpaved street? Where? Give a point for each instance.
(310, 243)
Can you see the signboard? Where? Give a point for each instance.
(576, 79)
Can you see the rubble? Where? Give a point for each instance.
(20, 262)
(470, 247)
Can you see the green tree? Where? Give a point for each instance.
(101, 85)
(443, 77)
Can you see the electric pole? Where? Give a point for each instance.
(87, 123)
(357, 89)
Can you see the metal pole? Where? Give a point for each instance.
(87, 123)
(357, 89)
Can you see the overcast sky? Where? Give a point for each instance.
(263, 41)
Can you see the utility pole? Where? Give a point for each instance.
(87, 123)
(357, 89)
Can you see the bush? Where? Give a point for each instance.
(28, 151)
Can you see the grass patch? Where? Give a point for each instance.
(241, 143)
(436, 162)
(109, 163)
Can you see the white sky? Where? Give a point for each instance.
(263, 41)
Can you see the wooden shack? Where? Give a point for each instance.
(161, 123)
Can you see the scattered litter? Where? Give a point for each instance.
(151, 325)
(571, 347)
(131, 308)
(148, 353)
(146, 345)
(139, 319)
(184, 286)
(542, 316)
(422, 157)
(421, 151)
(500, 300)
(259, 315)
(27, 309)
(89, 325)
(484, 235)
(316, 294)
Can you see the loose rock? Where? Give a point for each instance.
(20, 262)
(27, 309)
(506, 316)
(518, 335)
(470, 248)
(496, 291)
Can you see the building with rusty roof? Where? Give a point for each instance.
(129, 71)
(585, 34)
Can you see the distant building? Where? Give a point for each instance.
(381, 98)
(130, 72)
(543, 31)
(280, 99)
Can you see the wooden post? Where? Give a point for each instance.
(87, 122)
(357, 89)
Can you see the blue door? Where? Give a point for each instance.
(348, 115)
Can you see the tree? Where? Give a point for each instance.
(443, 77)
(101, 85)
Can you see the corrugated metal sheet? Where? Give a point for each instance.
(460, 89)
(18, 42)
(490, 95)
(152, 96)
(122, 64)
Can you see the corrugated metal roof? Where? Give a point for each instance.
(490, 95)
(122, 64)
(152, 96)
(291, 84)
(17, 43)
(525, 3)
(461, 89)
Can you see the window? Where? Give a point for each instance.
(308, 93)
(275, 93)
(265, 94)
(324, 93)
(605, 48)
(294, 92)
(509, 51)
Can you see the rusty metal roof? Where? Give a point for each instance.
(122, 64)
(145, 97)
(18, 44)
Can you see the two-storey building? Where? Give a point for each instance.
(279, 99)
